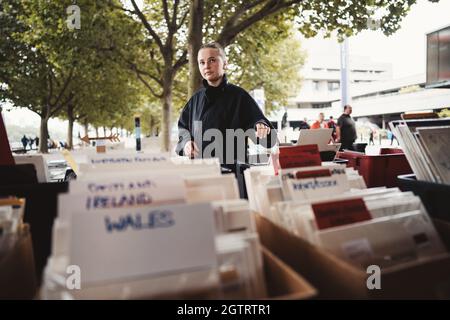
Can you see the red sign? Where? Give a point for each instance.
(313, 174)
(6, 157)
(339, 213)
(299, 156)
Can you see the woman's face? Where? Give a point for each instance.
(211, 65)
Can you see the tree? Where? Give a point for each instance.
(268, 56)
(54, 67)
(105, 94)
(173, 40)
(167, 43)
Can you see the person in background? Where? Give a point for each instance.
(25, 142)
(320, 123)
(371, 137)
(304, 124)
(219, 105)
(392, 138)
(332, 125)
(346, 129)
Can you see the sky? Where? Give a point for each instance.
(405, 50)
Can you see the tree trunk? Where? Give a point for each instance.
(168, 74)
(86, 128)
(152, 126)
(195, 38)
(71, 119)
(43, 136)
(104, 131)
(96, 131)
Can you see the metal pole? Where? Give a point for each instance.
(137, 125)
(345, 97)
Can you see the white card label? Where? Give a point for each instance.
(124, 243)
(358, 250)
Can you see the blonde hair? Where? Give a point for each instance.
(217, 46)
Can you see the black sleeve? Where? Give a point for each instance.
(251, 114)
(184, 128)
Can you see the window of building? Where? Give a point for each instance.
(333, 85)
(316, 85)
(321, 105)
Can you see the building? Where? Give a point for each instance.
(374, 93)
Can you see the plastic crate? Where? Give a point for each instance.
(391, 151)
(377, 170)
(435, 196)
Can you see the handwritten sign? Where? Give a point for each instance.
(98, 160)
(167, 183)
(125, 243)
(314, 182)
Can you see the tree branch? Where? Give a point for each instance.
(66, 84)
(148, 86)
(181, 61)
(50, 89)
(175, 13)
(240, 11)
(120, 7)
(166, 12)
(183, 18)
(81, 116)
(62, 105)
(230, 32)
(144, 21)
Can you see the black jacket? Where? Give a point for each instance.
(224, 107)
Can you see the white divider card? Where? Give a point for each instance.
(150, 241)
(83, 202)
(384, 241)
(126, 158)
(313, 182)
(117, 164)
(167, 185)
(39, 162)
(227, 182)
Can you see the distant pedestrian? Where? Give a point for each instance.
(393, 137)
(371, 138)
(332, 125)
(346, 129)
(25, 142)
(320, 123)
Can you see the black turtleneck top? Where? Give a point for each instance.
(226, 106)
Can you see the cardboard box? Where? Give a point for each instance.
(335, 278)
(17, 272)
(282, 282)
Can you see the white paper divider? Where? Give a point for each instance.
(119, 158)
(315, 187)
(170, 183)
(89, 202)
(128, 243)
(39, 162)
(227, 182)
(116, 165)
